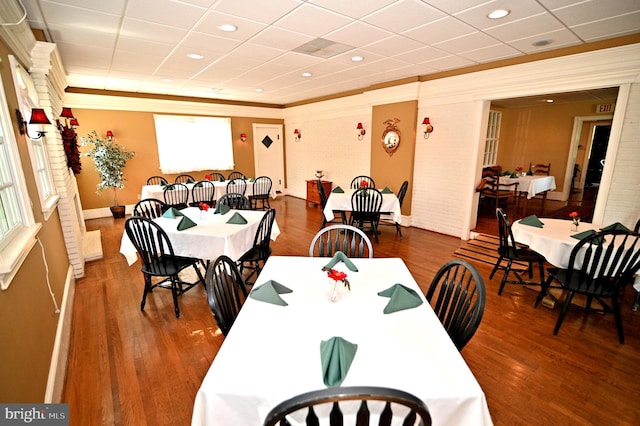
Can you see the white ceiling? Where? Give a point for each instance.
(137, 45)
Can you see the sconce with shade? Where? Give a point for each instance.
(243, 137)
(428, 128)
(38, 116)
(110, 135)
(361, 131)
(67, 120)
(297, 134)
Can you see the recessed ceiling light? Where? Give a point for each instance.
(549, 101)
(166, 79)
(306, 74)
(227, 28)
(259, 90)
(195, 56)
(540, 43)
(357, 58)
(498, 13)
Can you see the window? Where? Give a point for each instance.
(188, 144)
(17, 227)
(28, 99)
(493, 137)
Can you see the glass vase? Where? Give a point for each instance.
(575, 223)
(336, 290)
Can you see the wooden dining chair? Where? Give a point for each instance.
(345, 238)
(159, 260)
(540, 169)
(600, 266)
(261, 193)
(216, 177)
(407, 406)
(176, 195)
(235, 175)
(237, 186)
(386, 217)
(366, 203)
(458, 295)
(323, 202)
(150, 208)
(157, 180)
(356, 182)
(235, 201)
(495, 192)
(184, 179)
(203, 191)
(254, 258)
(226, 292)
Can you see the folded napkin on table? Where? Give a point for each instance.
(336, 356)
(252, 180)
(401, 297)
(340, 257)
(221, 209)
(185, 223)
(386, 190)
(338, 190)
(237, 219)
(532, 221)
(513, 176)
(172, 213)
(585, 234)
(270, 292)
(222, 179)
(616, 227)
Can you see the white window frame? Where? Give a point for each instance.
(493, 139)
(16, 243)
(38, 151)
(189, 143)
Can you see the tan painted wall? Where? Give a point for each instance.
(136, 132)
(392, 170)
(27, 318)
(541, 135)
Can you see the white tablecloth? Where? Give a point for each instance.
(531, 185)
(211, 238)
(342, 202)
(157, 191)
(272, 352)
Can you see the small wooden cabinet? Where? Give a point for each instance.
(313, 196)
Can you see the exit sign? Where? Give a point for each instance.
(601, 108)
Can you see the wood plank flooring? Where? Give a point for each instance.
(128, 367)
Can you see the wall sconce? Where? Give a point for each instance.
(361, 131)
(38, 116)
(297, 134)
(243, 137)
(428, 128)
(109, 135)
(69, 119)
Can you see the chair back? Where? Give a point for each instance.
(322, 194)
(203, 191)
(157, 180)
(184, 179)
(262, 239)
(366, 203)
(345, 238)
(540, 169)
(262, 186)
(457, 295)
(636, 228)
(375, 402)
(226, 292)
(603, 262)
(356, 182)
(153, 245)
(402, 191)
(235, 175)
(176, 195)
(235, 201)
(216, 177)
(149, 208)
(237, 186)
(508, 246)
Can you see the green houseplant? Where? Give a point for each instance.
(110, 160)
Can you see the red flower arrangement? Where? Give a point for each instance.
(364, 184)
(339, 276)
(71, 150)
(207, 177)
(575, 216)
(203, 206)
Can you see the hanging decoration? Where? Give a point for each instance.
(71, 149)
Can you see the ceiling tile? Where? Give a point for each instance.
(467, 43)
(266, 12)
(542, 23)
(439, 31)
(312, 20)
(351, 8)
(143, 30)
(520, 9)
(558, 39)
(166, 12)
(590, 11)
(403, 16)
(606, 28)
(245, 28)
(281, 38)
(393, 45)
(357, 34)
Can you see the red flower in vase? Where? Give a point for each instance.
(203, 206)
(364, 184)
(207, 177)
(339, 276)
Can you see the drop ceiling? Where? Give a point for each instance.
(142, 45)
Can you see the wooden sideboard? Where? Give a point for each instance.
(313, 196)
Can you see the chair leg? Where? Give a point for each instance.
(399, 230)
(174, 293)
(147, 289)
(636, 302)
(543, 291)
(563, 312)
(615, 304)
(504, 277)
(495, 267)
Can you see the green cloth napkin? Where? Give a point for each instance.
(532, 221)
(172, 213)
(401, 298)
(237, 219)
(513, 176)
(185, 223)
(336, 356)
(338, 190)
(616, 227)
(222, 209)
(270, 292)
(252, 180)
(222, 179)
(585, 234)
(386, 190)
(340, 257)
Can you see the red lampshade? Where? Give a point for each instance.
(296, 132)
(359, 126)
(426, 121)
(66, 113)
(38, 116)
(74, 122)
(109, 134)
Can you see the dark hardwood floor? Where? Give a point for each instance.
(128, 367)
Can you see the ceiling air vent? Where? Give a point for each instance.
(322, 48)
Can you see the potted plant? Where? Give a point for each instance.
(109, 159)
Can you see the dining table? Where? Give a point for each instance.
(531, 185)
(157, 191)
(273, 350)
(211, 237)
(341, 201)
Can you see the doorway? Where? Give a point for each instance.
(268, 152)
